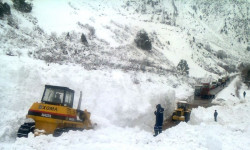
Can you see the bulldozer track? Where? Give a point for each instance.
(25, 129)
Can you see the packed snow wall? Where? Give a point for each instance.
(113, 97)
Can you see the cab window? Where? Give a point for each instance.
(53, 96)
(68, 99)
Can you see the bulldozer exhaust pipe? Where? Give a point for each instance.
(80, 101)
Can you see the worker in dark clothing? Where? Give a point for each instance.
(215, 116)
(244, 94)
(159, 119)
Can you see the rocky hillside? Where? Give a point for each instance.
(211, 36)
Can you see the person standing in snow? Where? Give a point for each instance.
(159, 119)
(215, 116)
(244, 94)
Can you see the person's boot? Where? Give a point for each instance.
(160, 131)
(156, 133)
(156, 130)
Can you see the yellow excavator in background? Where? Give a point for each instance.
(182, 113)
(55, 114)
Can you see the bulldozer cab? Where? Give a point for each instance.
(182, 113)
(183, 105)
(57, 95)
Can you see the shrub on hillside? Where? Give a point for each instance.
(22, 6)
(228, 68)
(142, 40)
(221, 54)
(183, 68)
(194, 8)
(245, 72)
(1, 10)
(4, 9)
(84, 39)
(208, 48)
(248, 48)
(12, 22)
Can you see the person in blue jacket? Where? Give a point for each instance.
(215, 116)
(159, 119)
(244, 94)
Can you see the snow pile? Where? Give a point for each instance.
(112, 97)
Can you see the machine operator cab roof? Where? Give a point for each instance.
(58, 95)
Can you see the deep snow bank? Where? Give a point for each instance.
(112, 96)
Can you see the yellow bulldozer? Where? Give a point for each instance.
(182, 113)
(55, 114)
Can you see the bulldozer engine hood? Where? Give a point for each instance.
(53, 111)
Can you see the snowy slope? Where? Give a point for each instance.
(111, 28)
(121, 84)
